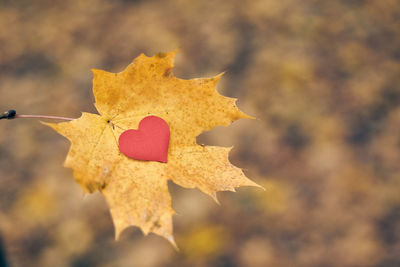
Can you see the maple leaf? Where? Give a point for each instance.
(137, 190)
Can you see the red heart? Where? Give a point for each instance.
(149, 142)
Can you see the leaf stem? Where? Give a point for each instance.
(12, 114)
(43, 117)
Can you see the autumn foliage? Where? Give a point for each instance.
(137, 190)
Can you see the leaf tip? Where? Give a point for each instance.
(117, 234)
(47, 124)
(95, 71)
(251, 183)
(245, 116)
(241, 114)
(219, 76)
(214, 196)
(171, 240)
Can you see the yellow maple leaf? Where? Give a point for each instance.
(136, 190)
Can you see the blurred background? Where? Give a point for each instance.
(322, 77)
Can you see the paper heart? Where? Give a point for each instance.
(149, 142)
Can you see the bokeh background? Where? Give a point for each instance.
(322, 77)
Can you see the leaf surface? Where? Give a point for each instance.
(137, 191)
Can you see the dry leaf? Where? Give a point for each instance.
(137, 191)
